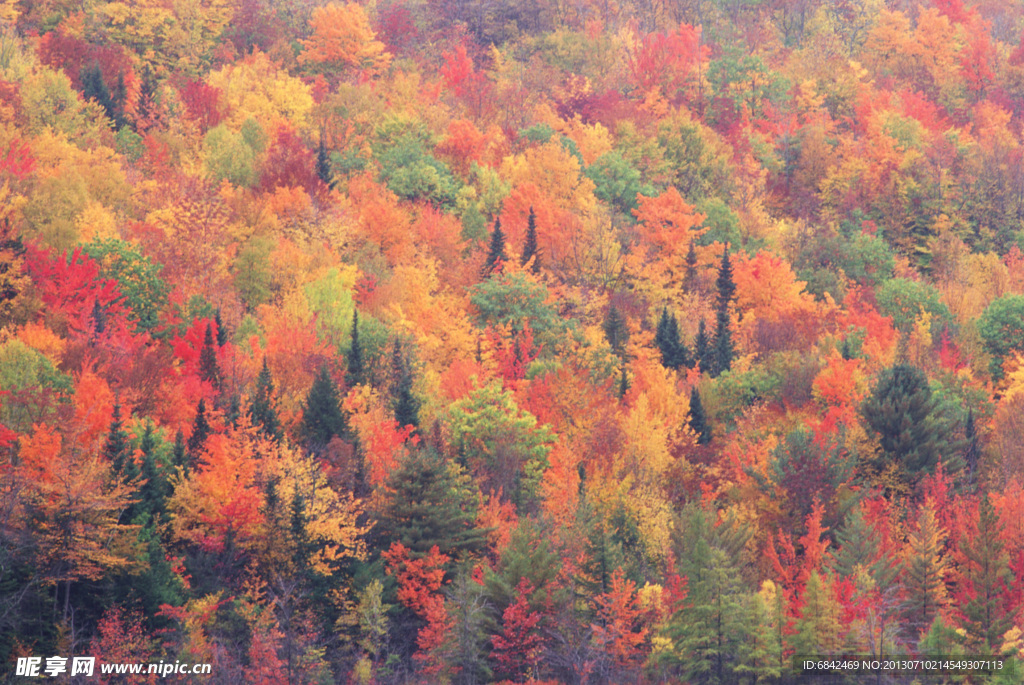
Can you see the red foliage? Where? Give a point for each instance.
(418, 579)
(71, 54)
(202, 101)
(17, 161)
(456, 69)
(667, 59)
(396, 28)
(517, 648)
(289, 163)
(619, 632)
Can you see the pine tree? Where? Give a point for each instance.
(698, 421)
(178, 453)
(406, 406)
(902, 411)
(702, 348)
(973, 449)
(209, 370)
(674, 352)
(924, 571)
(530, 247)
(323, 163)
(99, 318)
(428, 502)
(690, 280)
(354, 373)
(222, 332)
(155, 488)
(818, 626)
(723, 351)
(95, 88)
(261, 408)
(987, 571)
(321, 417)
(200, 431)
(496, 251)
(725, 284)
(859, 546)
(623, 381)
(115, 449)
(615, 330)
(234, 411)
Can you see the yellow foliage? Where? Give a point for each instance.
(551, 167)
(256, 87)
(43, 340)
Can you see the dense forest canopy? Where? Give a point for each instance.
(488, 340)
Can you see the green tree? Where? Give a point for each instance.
(430, 501)
(496, 250)
(902, 410)
(230, 156)
(702, 348)
(200, 432)
(323, 163)
(987, 575)
(674, 352)
(262, 411)
(924, 571)
(406, 405)
(94, 87)
(817, 629)
(355, 374)
(321, 416)
(698, 420)
(1002, 328)
(511, 300)
(530, 248)
(615, 330)
(116, 450)
(690, 280)
(253, 273)
(723, 351)
(137, 278)
(209, 369)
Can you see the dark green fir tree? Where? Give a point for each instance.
(323, 163)
(222, 331)
(615, 330)
(702, 348)
(262, 411)
(698, 420)
(406, 406)
(496, 251)
(116, 450)
(674, 352)
(200, 432)
(321, 417)
(530, 247)
(355, 374)
(209, 370)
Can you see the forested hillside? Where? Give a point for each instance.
(472, 341)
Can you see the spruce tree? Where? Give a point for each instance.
(94, 87)
(222, 332)
(355, 373)
(973, 449)
(722, 355)
(261, 408)
(623, 381)
(496, 251)
(200, 431)
(430, 501)
(155, 488)
(406, 406)
(323, 163)
(209, 370)
(115, 449)
(178, 453)
(987, 574)
(698, 420)
(615, 330)
(674, 352)
(924, 571)
(702, 348)
(321, 417)
(530, 248)
(690, 280)
(725, 284)
(99, 318)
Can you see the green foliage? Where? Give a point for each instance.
(988, 573)
(674, 352)
(229, 156)
(500, 442)
(905, 300)
(412, 173)
(262, 411)
(405, 404)
(617, 182)
(1001, 326)
(330, 300)
(530, 248)
(496, 249)
(698, 421)
(430, 501)
(253, 272)
(615, 330)
(35, 385)
(137, 278)
(903, 412)
(512, 299)
(321, 415)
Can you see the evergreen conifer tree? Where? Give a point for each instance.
(690, 280)
(698, 421)
(722, 356)
(355, 372)
(407, 407)
(530, 247)
(222, 332)
(623, 381)
(725, 284)
(262, 412)
(155, 488)
(987, 574)
(178, 453)
(200, 431)
(209, 370)
(924, 571)
(115, 449)
(95, 87)
(702, 348)
(496, 251)
(323, 163)
(973, 449)
(674, 352)
(321, 417)
(615, 330)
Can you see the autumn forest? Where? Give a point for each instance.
(470, 341)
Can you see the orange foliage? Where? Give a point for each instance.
(667, 222)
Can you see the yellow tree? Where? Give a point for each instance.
(342, 38)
